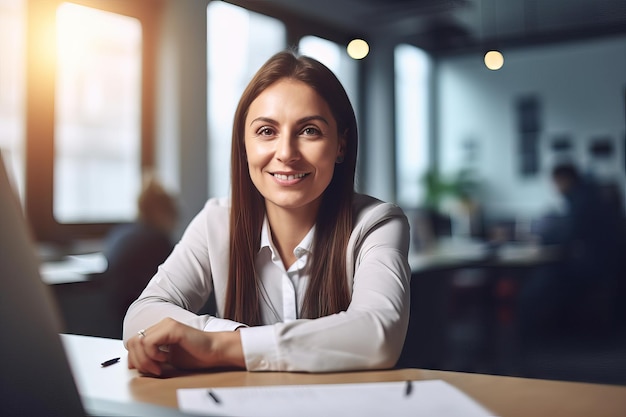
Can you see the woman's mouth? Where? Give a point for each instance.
(289, 177)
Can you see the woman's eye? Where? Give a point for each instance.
(265, 131)
(311, 131)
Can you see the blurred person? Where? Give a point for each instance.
(308, 275)
(562, 296)
(593, 227)
(135, 250)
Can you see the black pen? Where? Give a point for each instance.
(213, 396)
(408, 389)
(109, 362)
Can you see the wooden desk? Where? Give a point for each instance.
(504, 396)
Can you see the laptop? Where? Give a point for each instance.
(35, 375)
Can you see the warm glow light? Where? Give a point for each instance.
(358, 49)
(494, 60)
(97, 115)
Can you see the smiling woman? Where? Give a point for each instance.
(307, 275)
(292, 145)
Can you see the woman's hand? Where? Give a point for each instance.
(184, 347)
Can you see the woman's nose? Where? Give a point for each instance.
(287, 149)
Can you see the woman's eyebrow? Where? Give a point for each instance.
(314, 117)
(263, 119)
(300, 121)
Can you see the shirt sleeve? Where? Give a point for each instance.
(368, 335)
(184, 281)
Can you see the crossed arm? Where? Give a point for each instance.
(368, 335)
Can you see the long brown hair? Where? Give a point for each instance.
(327, 291)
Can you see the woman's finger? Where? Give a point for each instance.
(156, 352)
(140, 359)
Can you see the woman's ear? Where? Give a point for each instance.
(341, 151)
(342, 144)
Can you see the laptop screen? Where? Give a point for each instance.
(36, 378)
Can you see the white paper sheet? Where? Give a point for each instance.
(426, 398)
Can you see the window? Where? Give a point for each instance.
(97, 150)
(239, 42)
(12, 88)
(89, 114)
(412, 81)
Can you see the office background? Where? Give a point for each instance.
(77, 138)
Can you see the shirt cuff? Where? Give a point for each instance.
(260, 348)
(221, 325)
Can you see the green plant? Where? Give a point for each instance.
(462, 186)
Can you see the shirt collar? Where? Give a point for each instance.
(305, 245)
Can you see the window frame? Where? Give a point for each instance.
(40, 112)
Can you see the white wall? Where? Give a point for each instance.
(581, 87)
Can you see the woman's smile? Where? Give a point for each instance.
(289, 178)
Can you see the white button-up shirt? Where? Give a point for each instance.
(282, 290)
(368, 335)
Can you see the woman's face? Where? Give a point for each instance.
(291, 144)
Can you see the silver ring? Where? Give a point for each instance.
(142, 333)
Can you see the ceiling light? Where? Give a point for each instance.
(358, 49)
(494, 60)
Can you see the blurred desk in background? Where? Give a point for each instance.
(81, 295)
(467, 253)
(463, 294)
(73, 268)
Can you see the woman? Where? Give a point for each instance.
(308, 275)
